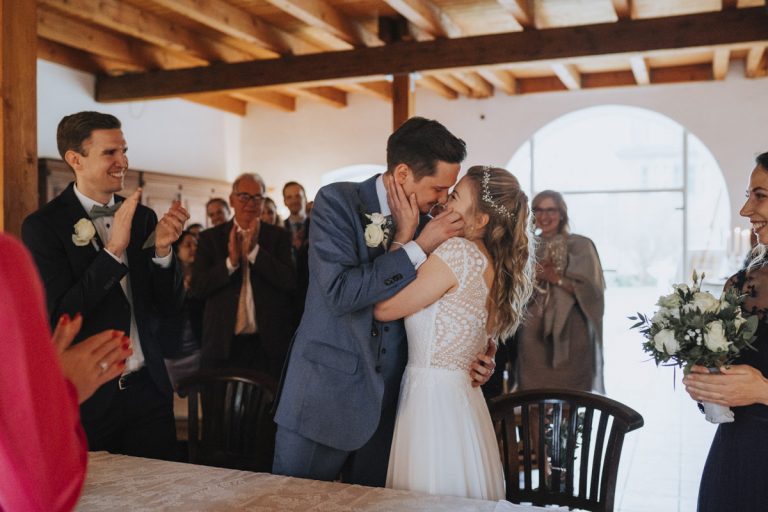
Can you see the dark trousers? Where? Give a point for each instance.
(246, 352)
(139, 421)
(300, 457)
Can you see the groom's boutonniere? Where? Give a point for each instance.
(84, 232)
(376, 231)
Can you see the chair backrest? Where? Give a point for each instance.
(581, 436)
(230, 421)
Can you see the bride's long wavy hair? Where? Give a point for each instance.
(509, 242)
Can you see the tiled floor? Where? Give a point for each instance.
(661, 462)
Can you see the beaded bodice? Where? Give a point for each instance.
(450, 332)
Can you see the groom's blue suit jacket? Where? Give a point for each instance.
(345, 367)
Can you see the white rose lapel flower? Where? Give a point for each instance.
(84, 232)
(376, 230)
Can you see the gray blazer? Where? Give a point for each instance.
(344, 366)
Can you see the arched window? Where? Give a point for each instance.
(644, 189)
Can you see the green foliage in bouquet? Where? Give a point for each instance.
(693, 327)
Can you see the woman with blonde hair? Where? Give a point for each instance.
(471, 290)
(560, 344)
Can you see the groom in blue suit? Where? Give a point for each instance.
(339, 392)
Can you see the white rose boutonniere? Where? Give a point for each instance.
(376, 232)
(84, 232)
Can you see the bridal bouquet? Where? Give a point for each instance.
(693, 327)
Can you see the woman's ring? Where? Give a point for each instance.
(103, 365)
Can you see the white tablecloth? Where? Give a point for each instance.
(119, 482)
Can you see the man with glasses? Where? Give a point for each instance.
(243, 271)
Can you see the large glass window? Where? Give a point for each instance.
(643, 188)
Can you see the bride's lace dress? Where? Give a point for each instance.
(444, 442)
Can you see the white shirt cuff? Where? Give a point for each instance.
(119, 260)
(415, 254)
(251, 258)
(165, 261)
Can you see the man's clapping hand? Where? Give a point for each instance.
(169, 228)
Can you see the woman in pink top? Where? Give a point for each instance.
(42, 445)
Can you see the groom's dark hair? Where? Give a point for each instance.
(762, 160)
(75, 129)
(420, 143)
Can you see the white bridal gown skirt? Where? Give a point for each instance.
(444, 442)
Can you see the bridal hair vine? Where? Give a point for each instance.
(498, 208)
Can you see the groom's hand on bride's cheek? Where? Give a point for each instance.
(446, 225)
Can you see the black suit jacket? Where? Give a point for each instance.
(273, 279)
(301, 260)
(82, 279)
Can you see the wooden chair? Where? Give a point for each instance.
(230, 424)
(581, 436)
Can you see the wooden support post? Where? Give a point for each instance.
(18, 113)
(402, 99)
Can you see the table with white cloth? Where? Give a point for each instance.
(119, 482)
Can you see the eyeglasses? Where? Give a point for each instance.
(545, 211)
(244, 197)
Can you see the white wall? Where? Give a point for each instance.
(170, 136)
(729, 117)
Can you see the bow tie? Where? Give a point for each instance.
(103, 211)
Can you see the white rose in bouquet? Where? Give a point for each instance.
(671, 301)
(705, 302)
(665, 341)
(714, 338)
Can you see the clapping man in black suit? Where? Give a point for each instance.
(109, 259)
(243, 271)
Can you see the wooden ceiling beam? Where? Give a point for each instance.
(271, 99)
(135, 55)
(755, 65)
(521, 10)
(381, 89)
(219, 101)
(676, 74)
(623, 9)
(568, 74)
(501, 79)
(721, 59)
(625, 37)
(321, 14)
(231, 20)
(481, 88)
(640, 69)
(66, 56)
(455, 84)
(124, 18)
(329, 95)
(426, 16)
(435, 85)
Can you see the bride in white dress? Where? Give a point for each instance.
(470, 289)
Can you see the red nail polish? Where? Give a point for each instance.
(78, 316)
(64, 319)
(127, 340)
(126, 345)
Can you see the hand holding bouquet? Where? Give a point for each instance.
(693, 327)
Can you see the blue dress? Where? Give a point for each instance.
(735, 476)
